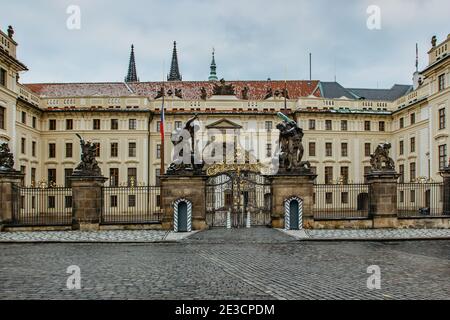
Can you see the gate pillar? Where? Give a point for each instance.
(285, 186)
(189, 187)
(445, 173)
(7, 180)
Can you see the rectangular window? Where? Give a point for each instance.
(344, 149)
(114, 150)
(114, 124)
(441, 81)
(3, 77)
(23, 145)
(442, 156)
(51, 176)
(24, 117)
(113, 201)
(97, 149)
(68, 201)
(401, 171)
(33, 177)
(69, 124)
(412, 196)
(178, 124)
(96, 124)
(442, 118)
(312, 124)
(67, 174)
(328, 175)
(132, 124)
(51, 202)
(269, 150)
(52, 150)
(344, 197)
(412, 144)
(114, 177)
(328, 149)
(33, 122)
(412, 118)
(158, 151)
(329, 198)
(132, 149)
(344, 125)
(23, 170)
(367, 125)
(132, 200)
(328, 125)
(402, 196)
(367, 149)
(132, 176)
(381, 126)
(52, 124)
(268, 126)
(69, 150)
(402, 123)
(401, 148)
(157, 177)
(2, 118)
(344, 175)
(312, 149)
(412, 171)
(158, 126)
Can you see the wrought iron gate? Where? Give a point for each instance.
(238, 199)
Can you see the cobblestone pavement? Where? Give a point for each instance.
(96, 236)
(254, 263)
(374, 234)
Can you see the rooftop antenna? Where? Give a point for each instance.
(417, 57)
(285, 88)
(310, 66)
(335, 69)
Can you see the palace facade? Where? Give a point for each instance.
(342, 126)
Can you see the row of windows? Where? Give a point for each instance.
(114, 150)
(344, 149)
(344, 125)
(412, 146)
(412, 120)
(96, 124)
(24, 119)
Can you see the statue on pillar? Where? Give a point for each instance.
(187, 138)
(6, 158)
(290, 147)
(380, 160)
(88, 165)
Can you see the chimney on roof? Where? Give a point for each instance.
(174, 74)
(132, 73)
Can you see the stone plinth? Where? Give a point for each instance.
(383, 198)
(285, 186)
(7, 180)
(445, 173)
(87, 201)
(189, 187)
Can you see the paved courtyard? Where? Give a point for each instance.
(256, 263)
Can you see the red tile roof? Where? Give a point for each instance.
(191, 90)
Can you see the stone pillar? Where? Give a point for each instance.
(285, 186)
(383, 198)
(445, 173)
(189, 187)
(87, 200)
(7, 180)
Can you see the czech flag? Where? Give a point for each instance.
(161, 124)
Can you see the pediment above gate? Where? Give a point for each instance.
(224, 124)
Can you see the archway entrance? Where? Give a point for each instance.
(240, 198)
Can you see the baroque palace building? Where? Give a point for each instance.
(342, 126)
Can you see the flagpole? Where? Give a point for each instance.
(162, 127)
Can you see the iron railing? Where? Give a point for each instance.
(420, 199)
(42, 206)
(341, 201)
(131, 205)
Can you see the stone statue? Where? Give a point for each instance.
(178, 166)
(223, 89)
(10, 32)
(269, 93)
(6, 158)
(88, 165)
(433, 41)
(203, 94)
(380, 160)
(160, 93)
(245, 93)
(291, 147)
(178, 93)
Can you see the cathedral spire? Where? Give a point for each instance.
(212, 73)
(132, 74)
(174, 74)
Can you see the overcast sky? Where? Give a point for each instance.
(253, 39)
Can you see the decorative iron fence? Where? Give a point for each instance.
(42, 206)
(420, 199)
(341, 201)
(131, 205)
